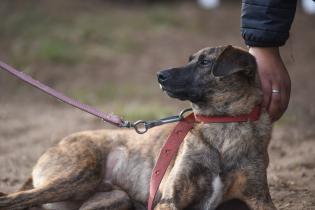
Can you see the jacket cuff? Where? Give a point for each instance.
(262, 38)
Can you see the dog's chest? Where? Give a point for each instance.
(230, 138)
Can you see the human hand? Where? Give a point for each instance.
(273, 76)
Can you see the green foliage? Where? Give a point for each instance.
(58, 51)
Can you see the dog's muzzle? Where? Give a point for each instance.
(163, 76)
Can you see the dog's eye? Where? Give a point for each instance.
(204, 62)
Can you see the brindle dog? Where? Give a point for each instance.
(111, 169)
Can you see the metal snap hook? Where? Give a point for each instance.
(140, 127)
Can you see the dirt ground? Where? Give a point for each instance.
(157, 37)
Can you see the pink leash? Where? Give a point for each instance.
(110, 118)
(140, 126)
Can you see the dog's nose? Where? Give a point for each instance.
(162, 76)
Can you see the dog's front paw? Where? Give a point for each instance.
(165, 206)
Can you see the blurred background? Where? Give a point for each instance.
(106, 54)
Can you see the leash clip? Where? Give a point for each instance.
(142, 126)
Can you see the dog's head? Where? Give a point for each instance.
(218, 80)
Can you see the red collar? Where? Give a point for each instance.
(174, 140)
(252, 116)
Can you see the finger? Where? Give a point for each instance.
(286, 96)
(284, 101)
(282, 104)
(266, 88)
(275, 108)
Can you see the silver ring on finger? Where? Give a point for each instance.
(276, 91)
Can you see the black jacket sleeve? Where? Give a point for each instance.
(266, 23)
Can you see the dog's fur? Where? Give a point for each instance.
(111, 169)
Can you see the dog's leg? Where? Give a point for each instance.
(70, 171)
(256, 204)
(256, 191)
(113, 200)
(189, 195)
(166, 205)
(259, 200)
(194, 182)
(251, 187)
(24, 199)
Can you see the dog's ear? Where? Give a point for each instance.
(232, 60)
